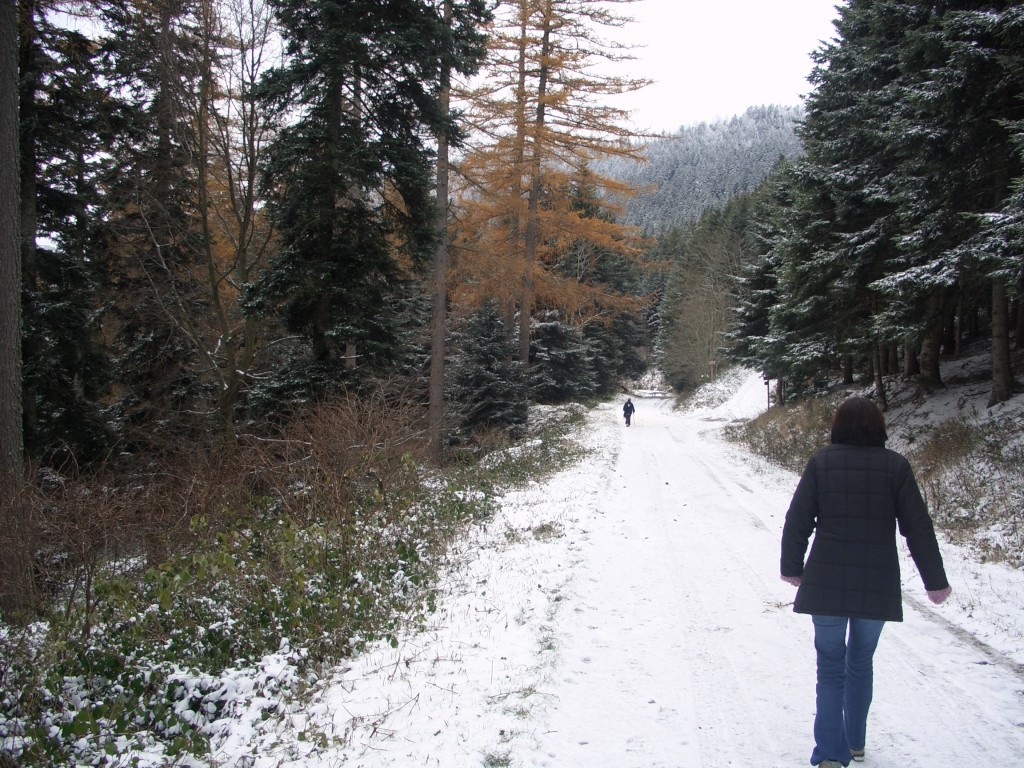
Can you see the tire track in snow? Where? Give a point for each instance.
(991, 654)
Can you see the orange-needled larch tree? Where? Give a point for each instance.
(540, 118)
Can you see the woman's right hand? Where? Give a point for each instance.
(938, 596)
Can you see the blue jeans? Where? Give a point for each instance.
(844, 685)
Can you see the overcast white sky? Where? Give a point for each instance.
(714, 58)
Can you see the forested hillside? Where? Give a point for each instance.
(273, 274)
(704, 166)
(895, 239)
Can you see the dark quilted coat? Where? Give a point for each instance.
(853, 498)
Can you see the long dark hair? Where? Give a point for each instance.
(859, 422)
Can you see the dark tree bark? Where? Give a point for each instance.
(28, 75)
(1020, 323)
(876, 363)
(931, 345)
(15, 575)
(911, 366)
(438, 318)
(11, 455)
(847, 369)
(1002, 374)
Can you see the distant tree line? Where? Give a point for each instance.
(697, 310)
(702, 167)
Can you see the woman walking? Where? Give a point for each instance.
(854, 495)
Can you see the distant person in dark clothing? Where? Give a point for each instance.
(853, 496)
(627, 410)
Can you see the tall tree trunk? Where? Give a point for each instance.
(27, 80)
(876, 362)
(518, 163)
(533, 204)
(931, 345)
(1002, 374)
(951, 330)
(15, 537)
(931, 375)
(911, 366)
(1020, 323)
(439, 313)
(893, 350)
(958, 328)
(847, 369)
(229, 376)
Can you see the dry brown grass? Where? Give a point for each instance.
(787, 435)
(132, 516)
(970, 474)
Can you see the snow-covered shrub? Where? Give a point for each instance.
(970, 473)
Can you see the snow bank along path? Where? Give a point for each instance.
(629, 614)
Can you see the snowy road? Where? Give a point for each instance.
(682, 649)
(628, 614)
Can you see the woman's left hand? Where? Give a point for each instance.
(938, 596)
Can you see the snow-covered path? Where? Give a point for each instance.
(628, 614)
(671, 656)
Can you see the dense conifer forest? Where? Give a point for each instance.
(894, 239)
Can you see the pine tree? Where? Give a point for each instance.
(487, 387)
(954, 159)
(834, 238)
(350, 178)
(1000, 242)
(561, 362)
(66, 114)
(155, 238)
(906, 143)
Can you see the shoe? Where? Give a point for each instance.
(857, 755)
(830, 764)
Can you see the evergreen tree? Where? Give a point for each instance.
(1000, 242)
(350, 178)
(947, 130)
(155, 239)
(833, 238)
(619, 350)
(561, 362)
(906, 143)
(487, 387)
(68, 133)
